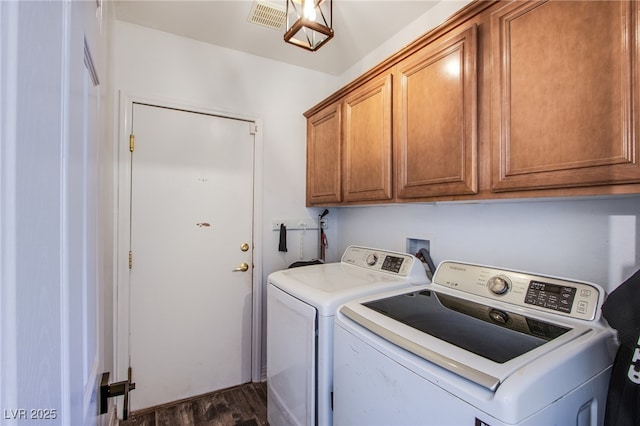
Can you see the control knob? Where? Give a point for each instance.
(499, 316)
(499, 285)
(372, 259)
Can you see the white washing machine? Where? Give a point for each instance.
(478, 346)
(301, 305)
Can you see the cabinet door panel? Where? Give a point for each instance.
(324, 156)
(564, 94)
(367, 167)
(436, 119)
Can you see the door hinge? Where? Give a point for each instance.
(253, 128)
(132, 142)
(115, 389)
(130, 259)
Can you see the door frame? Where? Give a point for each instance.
(122, 230)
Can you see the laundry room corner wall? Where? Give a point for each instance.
(151, 64)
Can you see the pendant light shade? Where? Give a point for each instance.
(309, 23)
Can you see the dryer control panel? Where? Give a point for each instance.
(396, 263)
(577, 299)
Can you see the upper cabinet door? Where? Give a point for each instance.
(564, 94)
(436, 118)
(324, 144)
(367, 141)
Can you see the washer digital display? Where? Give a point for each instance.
(392, 264)
(550, 296)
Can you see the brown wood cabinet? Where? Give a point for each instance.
(324, 153)
(565, 94)
(435, 118)
(541, 100)
(367, 141)
(349, 147)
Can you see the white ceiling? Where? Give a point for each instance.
(360, 26)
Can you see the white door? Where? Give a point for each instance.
(51, 340)
(191, 231)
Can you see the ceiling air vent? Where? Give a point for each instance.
(267, 14)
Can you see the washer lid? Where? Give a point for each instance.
(481, 343)
(491, 333)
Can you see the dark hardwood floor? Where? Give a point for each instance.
(244, 405)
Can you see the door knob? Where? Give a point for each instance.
(244, 267)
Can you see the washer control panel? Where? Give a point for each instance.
(400, 264)
(577, 299)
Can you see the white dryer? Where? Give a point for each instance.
(301, 305)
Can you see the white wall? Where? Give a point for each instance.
(596, 240)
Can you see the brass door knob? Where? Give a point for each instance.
(244, 267)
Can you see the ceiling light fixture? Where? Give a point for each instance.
(309, 23)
